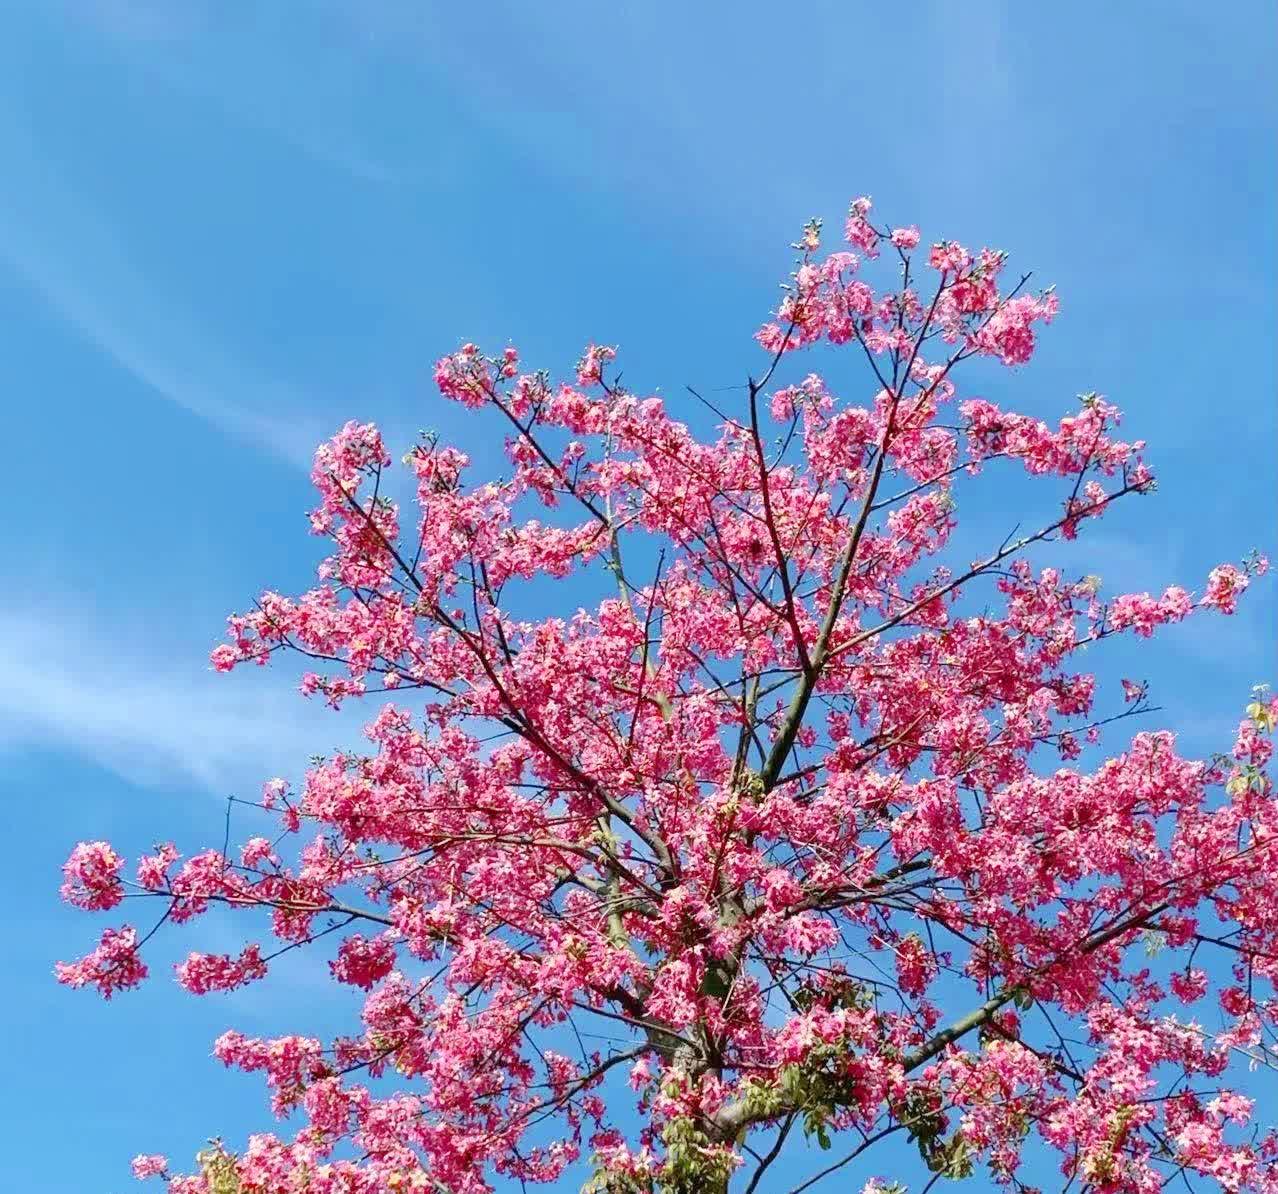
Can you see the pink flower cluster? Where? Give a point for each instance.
(149, 1165)
(114, 965)
(91, 877)
(202, 973)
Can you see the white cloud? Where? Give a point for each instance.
(155, 720)
(287, 83)
(81, 268)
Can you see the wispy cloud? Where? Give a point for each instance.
(186, 45)
(154, 720)
(82, 269)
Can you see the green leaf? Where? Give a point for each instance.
(715, 983)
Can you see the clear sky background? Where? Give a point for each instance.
(225, 228)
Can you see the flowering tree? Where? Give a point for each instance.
(768, 819)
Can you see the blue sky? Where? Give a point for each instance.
(225, 228)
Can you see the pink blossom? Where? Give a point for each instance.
(153, 869)
(363, 963)
(114, 965)
(202, 973)
(149, 1165)
(1224, 584)
(1132, 691)
(91, 877)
